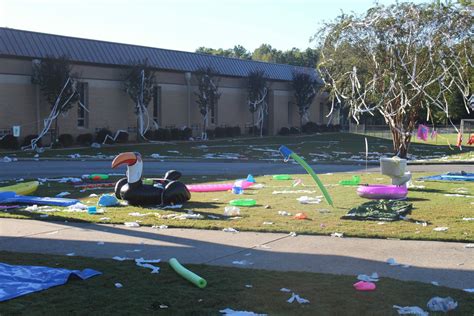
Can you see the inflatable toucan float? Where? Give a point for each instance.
(161, 192)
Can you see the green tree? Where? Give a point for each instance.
(57, 84)
(306, 88)
(398, 60)
(138, 82)
(207, 95)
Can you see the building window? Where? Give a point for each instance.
(83, 106)
(157, 104)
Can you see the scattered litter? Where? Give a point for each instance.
(78, 207)
(189, 216)
(267, 223)
(136, 214)
(159, 227)
(324, 211)
(264, 247)
(284, 289)
(71, 254)
(293, 192)
(468, 218)
(95, 145)
(392, 262)
(213, 217)
(298, 299)
(93, 195)
(62, 194)
(104, 219)
(248, 286)
(440, 304)
(469, 246)
(460, 195)
(8, 159)
(258, 186)
(147, 264)
(74, 156)
(248, 254)
(231, 312)
(462, 190)
(469, 290)
(121, 258)
(100, 243)
(108, 200)
(300, 216)
(155, 156)
(405, 266)
(435, 283)
(284, 213)
(163, 306)
(175, 206)
(292, 234)
(131, 224)
(364, 286)
(309, 200)
(410, 310)
(133, 250)
(230, 230)
(118, 285)
(440, 229)
(381, 223)
(44, 215)
(374, 277)
(339, 235)
(231, 211)
(267, 206)
(242, 262)
(296, 182)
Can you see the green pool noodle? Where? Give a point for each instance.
(101, 176)
(355, 181)
(282, 177)
(287, 153)
(243, 202)
(186, 274)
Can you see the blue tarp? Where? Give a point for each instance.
(21, 280)
(452, 176)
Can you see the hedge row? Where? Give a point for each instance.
(309, 128)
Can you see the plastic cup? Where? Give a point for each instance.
(92, 210)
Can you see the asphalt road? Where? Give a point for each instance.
(41, 169)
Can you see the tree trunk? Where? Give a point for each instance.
(253, 123)
(56, 131)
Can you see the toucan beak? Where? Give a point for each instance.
(129, 158)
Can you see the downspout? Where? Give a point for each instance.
(187, 76)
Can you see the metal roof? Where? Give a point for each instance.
(29, 44)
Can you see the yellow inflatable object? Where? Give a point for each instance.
(24, 188)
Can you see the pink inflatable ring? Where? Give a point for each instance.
(216, 187)
(385, 192)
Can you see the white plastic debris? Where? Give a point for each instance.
(298, 299)
(249, 286)
(147, 264)
(469, 290)
(460, 195)
(100, 243)
(77, 208)
(468, 218)
(469, 246)
(95, 145)
(435, 283)
(6, 159)
(339, 235)
(213, 216)
(392, 262)
(284, 289)
(133, 250)
(65, 193)
(44, 215)
(242, 262)
(231, 312)
(230, 230)
(71, 254)
(440, 229)
(293, 192)
(309, 200)
(284, 213)
(118, 285)
(231, 211)
(131, 224)
(410, 310)
(159, 227)
(93, 195)
(189, 216)
(74, 156)
(156, 156)
(267, 223)
(292, 234)
(104, 219)
(121, 258)
(441, 304)
(374, 277)
(175, 206)
(136, 214)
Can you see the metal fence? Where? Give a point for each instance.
(384, 131)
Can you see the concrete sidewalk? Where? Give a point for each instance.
(450, 264)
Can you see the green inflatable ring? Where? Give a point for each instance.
(282, 177)
(243, 202)
(186, 274)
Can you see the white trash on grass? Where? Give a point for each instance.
(230, 230)
(441, 304)
(131, 224)
(374, 277)
(309, 200)
(410, 310)
(231, 312)
(296, 297)
(147, 264)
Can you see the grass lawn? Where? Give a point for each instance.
(430, 206)
(143, 293)
(329, 147)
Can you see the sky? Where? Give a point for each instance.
(182, 24)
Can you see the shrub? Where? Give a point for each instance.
(122, 137)
(294, 130)
(236, 131)
(284, 131)
(27, 141)
(66, 140)
(219, 132)
(311, 128)
(210, 134)
(9, 142)
(85, 139)
(187, 133)
(101, 135)
(151, 135)
(175, 133)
